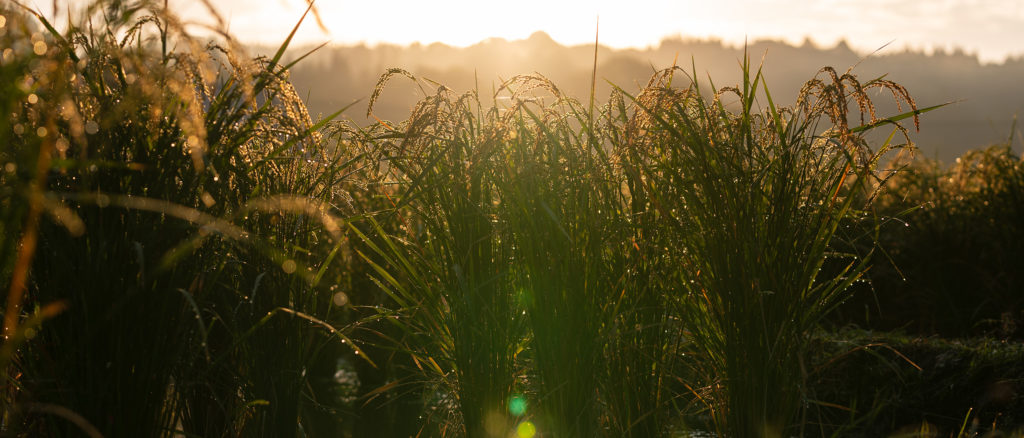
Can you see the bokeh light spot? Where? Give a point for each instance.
(496, 424)
(526, 429)
(340, 299)
(288, 266)
(517, 405)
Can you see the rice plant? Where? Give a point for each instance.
(174, 242)
(514, 267)
(952, 239)
(458, 313)
(192, 217)
(601, 340)
(751, 199)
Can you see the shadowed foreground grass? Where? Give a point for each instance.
(170, 220)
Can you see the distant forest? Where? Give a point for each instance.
(987, 96)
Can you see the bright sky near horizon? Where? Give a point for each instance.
(993, 29)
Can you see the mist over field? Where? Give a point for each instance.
(986, 96)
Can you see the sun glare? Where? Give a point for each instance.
(992, 30)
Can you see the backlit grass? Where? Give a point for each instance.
(185, 251)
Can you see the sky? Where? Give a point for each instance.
(992, 29)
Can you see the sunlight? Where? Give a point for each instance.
(992, 30)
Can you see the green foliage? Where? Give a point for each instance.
(966, 387)
(450, 271)
(750, 202)
(175, 259)
(183, 212)
(627, 235)
(954, 244)
(517, 270)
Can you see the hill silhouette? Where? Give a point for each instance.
(986, 96)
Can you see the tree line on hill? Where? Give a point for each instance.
(986, 97)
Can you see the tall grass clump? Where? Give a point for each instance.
(562, 225)
(523, 292)
(449, 268)
(180, 242)
(185, 215)
(751, 198)
(602, 341)
(615, 265)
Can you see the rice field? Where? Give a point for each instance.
(186, 252)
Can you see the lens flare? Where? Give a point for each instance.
(288, 266)
(517, 405)
(526, 429)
